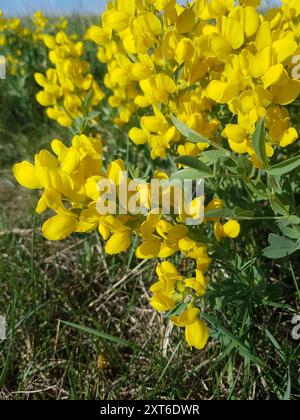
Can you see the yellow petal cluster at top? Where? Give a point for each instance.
(198, 62)
(66, 86)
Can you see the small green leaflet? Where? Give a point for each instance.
(187, 132)
(259, 142)
(212, 156)
(280, 247)
(189, 174)
(177, 310)
(285, 167)
(237, 343)
(88, 101)
(221, 213)
(230, 214)
(194, 163)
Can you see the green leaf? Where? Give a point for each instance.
(210, 156)
(88, 101)
(290, 232)
(177, 310)
(259, 142)
(189, 174)
(276, 345)
(290, 221)
(188, 133)
(280, 247)
(99, 334)
(285, 167)
(278, 206)
(92, 115)
(244, 166)
(194, 163)
(274, 184)
(240, 213)
(287, 394)
(220, 213)
(240, 346)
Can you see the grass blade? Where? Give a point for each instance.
(99, 334)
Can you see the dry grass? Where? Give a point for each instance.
(45, 284)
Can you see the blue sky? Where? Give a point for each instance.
(25, 7)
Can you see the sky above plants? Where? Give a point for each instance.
(25, 7)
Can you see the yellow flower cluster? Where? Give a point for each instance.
(67, 86)
(220, 68)
(200, 62)
(69, 178)
(10, 26)
(18, 37)
(172, 289)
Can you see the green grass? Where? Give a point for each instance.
(64, 310)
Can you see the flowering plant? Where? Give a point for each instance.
(209, 89)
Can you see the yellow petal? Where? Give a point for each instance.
(284, 48)
(186, 21)
(252, 21)
(234, 133)
(148, 23)
(138, 136)
(162, 302)
(71, 160)
(58, 147)
(189, 316)
(192, 283)
(40, 79)
(233, 32)
(97, 35)
(261, 63)
(51, 199)
(263, 37)
(25, 175)
(115, 172)
(46, 159)
(221, 92)
(239, 148)
(166, 268)
(289, 137)
(276, 75)
(140, 71)
(45, 99)
(197, 334)
(148, 249)
(286, 94)
(116, 20)
(59, 227)
(118, 242)
(218, 231)
(232, 229)
(184, 51)
(219, 46)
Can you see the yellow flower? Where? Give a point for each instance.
(59, 227)
(119, 242)
(196, 331)
(198, 283)
(101, 361)
(231, 229)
